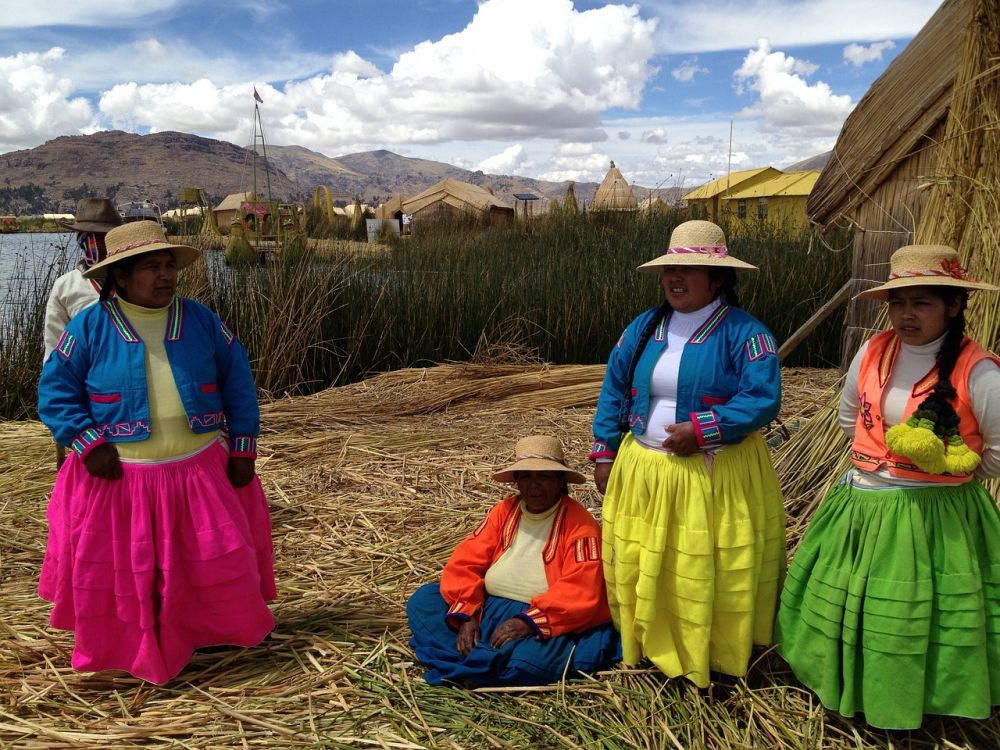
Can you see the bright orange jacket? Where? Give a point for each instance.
(576, 598)
(869, 450)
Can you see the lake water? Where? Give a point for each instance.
(32, 259)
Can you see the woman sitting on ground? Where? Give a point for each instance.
(522, 599)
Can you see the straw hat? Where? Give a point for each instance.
(539, 453)
(696, 243)
(94, 215)
(137, 238)
(924, 265)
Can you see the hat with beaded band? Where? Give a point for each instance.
(696, 243)
(924, 265)
(137, 238)
(538, 453)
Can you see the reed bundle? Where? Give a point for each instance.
(371, 485)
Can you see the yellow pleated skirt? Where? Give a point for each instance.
(694, 557)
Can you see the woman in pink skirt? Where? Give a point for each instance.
(159, 535)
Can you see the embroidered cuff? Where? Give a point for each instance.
(460, 612)
(243, 446)
(86, 441)
(538, 622)
(706, 428)
(601, 450)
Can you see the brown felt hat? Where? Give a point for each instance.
(94, 215)
(696, 243)
(137, 238)
(539, 453)
(924, 265)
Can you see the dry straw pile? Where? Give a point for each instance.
(371, 486)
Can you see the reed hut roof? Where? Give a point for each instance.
(894, 117)
(783, 185)
(652, 204)
(729, 182)
(389, 209)
(614, 193)
(232, 201)
(461, 195)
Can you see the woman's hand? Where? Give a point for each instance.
(681, 439)
(102, 462)
(240, 471)
(510, 630)
(468, 634)
(602, 470)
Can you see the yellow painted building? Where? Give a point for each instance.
(706, 202)
(779, 201)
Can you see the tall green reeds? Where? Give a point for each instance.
(560, 289)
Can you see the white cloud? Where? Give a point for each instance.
(578, 162)
(786, 103)
(713, 25)
(512, 160)
(655, 136)
(858, 54)
(687, 70)
(571, 67)
(36, 105)
(20, 15)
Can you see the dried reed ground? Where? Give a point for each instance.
(371, 486)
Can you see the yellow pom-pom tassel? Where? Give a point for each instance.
(959, 458)
(919, 444)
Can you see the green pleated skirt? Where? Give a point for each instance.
(693, 556)
(891, 606)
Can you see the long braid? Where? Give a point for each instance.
(727, 290)
(940, 402)
(661, 312)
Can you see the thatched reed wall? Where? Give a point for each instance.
(888, 153)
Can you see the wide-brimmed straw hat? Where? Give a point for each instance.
(94, 215)
(138, 238)
(696, 243)
(924, 265)
(539, 453)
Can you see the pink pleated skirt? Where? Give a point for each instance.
(147, 568)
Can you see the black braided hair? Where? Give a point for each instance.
(109, 286)
(939, 402)
(661, 312)
(727, 290)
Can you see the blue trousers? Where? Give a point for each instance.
(525, 661)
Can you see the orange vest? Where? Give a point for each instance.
(869, 451)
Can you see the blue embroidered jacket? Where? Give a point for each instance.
(729, 381)
(93, 385)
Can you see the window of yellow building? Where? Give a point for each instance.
(762, 209)
(741, 209)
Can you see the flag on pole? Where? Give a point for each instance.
(256, 95)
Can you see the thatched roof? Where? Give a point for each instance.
(792, 183)
(653, 204)
(614, 193)
(461, 195)
(232, 201)
(731, 182)
(389, 209)
(892, 120)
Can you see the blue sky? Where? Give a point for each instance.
(553, 89)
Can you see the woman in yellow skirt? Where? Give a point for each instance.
(694, 525)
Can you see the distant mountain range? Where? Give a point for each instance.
(51, 178)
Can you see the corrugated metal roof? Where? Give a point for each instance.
(717, 187)
(793, 183)
(526, 196)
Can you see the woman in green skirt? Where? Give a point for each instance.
(891, 607)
